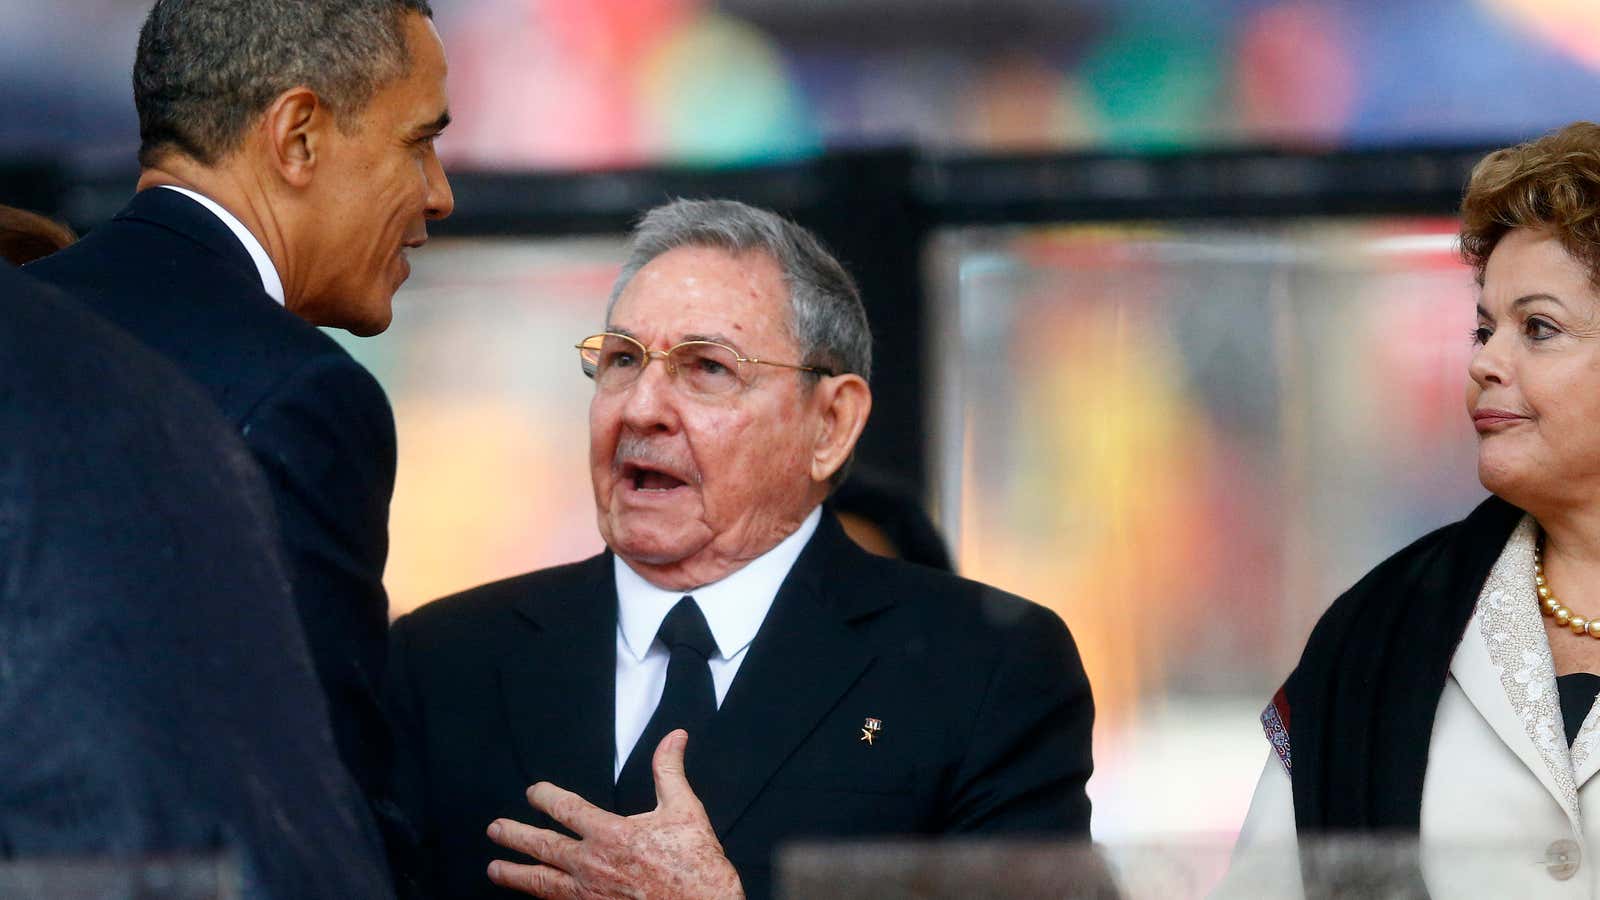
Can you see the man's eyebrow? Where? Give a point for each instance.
(715, 339)
(435, 127)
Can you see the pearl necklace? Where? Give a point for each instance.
(1555, 608)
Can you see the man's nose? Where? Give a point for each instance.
(441, 200)
(651, 400)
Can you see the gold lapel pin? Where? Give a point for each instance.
(870, 729)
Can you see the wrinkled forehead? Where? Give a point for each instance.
(706, 293)
(1531, 268)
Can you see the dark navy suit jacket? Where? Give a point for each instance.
(984, 707)
(171, 274)
(156, 695)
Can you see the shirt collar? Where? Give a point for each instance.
(270, 282)
(734, 607)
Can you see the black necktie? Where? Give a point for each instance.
(687, 702)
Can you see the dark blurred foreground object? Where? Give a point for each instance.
(27, 236)
(160, 878)
(1346, 868)
(156, 695)
(948, 870)
(885, 517)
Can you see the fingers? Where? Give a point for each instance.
(672, 784)
(571, 810)
(539, 843)
(539, 881)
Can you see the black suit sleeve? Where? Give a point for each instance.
(1028, 758)
(325, 440)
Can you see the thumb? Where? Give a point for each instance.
(672, 784)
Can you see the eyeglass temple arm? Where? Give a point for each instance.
(820, 370)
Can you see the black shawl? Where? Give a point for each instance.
(1359, 708)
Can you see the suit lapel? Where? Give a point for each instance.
(801, 663)
(1503, 665)
(559, 692)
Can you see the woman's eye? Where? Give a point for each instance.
(1540, 329)
(1481, 335)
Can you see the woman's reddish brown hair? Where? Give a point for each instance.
(26, 236)
(1552, 183)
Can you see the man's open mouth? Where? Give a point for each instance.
(644, 478)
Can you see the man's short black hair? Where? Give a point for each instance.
(206, 69)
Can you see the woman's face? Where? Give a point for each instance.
(1534, 389)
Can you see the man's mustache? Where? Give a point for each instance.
(646, 453)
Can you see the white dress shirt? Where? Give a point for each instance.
(734, 608)
(270, 282)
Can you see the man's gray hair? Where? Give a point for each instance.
(826, 317)
(206, 69)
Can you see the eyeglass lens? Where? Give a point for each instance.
(615, 361)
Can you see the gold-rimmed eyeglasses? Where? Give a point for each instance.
(615, 361)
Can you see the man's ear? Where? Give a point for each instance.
(294, 128)
(846, 402)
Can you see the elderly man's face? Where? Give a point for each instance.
(380, 185)
(693, 486)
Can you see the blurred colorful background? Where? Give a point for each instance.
(1186, 423)
(1187, 439)
(558, 84)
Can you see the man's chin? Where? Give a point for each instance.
(646, 554)
(376, 323)
(653, 549)
(360, 319)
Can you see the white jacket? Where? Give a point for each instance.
(1504, 801)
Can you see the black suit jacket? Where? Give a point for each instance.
(156, 695)
(171, 274)
(985, 712)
